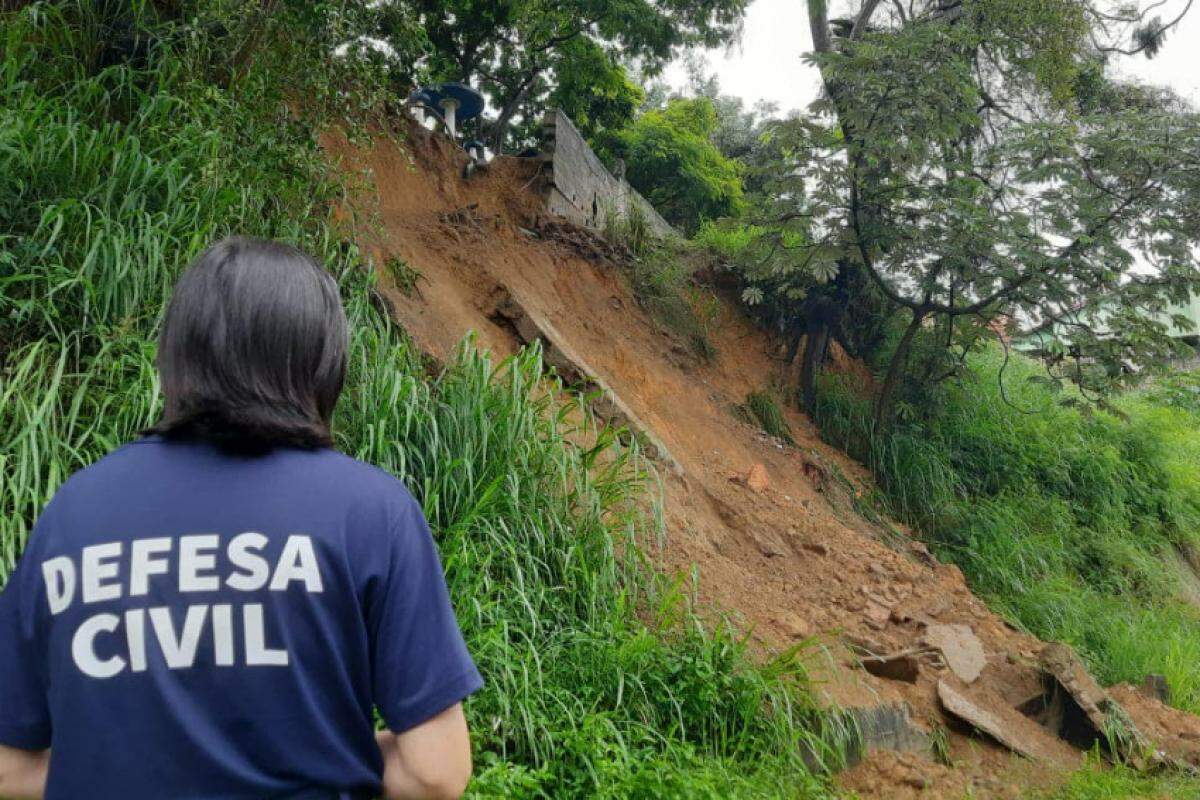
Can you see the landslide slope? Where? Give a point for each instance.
(788, 557)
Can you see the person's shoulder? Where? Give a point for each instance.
(89, 485)
(96, 474)
(361, 480)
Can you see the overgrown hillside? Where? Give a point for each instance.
(1077, 524)
(127, 143)
(132, 135)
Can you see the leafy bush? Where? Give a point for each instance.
(670, 158)
(600, 680)
(1063, 520)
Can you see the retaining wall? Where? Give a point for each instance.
(580, 188)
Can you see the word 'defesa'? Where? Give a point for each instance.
(97, 578)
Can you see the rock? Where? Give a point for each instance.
(768, 542)
(816, 547)
(794, 625)
(1060, 663)
(889, 726)
(756, 479)
(875, 568)
(817, 474)
(988, 713)
(876, 613)
(1156, 686)
(961, 649)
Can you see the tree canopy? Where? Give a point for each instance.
(528, 54)
(671, 159)
(974, 166)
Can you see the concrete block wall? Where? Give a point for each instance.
(579, 187)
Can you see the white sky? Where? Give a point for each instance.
(767, 65)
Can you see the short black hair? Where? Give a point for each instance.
(252, 352)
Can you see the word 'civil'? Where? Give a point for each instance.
(187, 564)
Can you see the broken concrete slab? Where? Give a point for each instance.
(887, 726)
(960, 648)
(1088, 704)
(529, 326)
(986, 712)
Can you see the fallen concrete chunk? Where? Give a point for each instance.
(961, 649)
(529, 326)
(1108, 720)
(987, 712)
(888, 726)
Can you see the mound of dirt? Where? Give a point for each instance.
(786, 554)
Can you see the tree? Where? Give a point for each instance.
(519, 52)
(979, 166)
(670, 158)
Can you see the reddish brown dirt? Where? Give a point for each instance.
(1175, 733)
(790, 562)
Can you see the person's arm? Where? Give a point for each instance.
(429, 762)
(23, 773)
(421, 669)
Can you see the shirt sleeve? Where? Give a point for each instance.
(420, 665)
(24, 710)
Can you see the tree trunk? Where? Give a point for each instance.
(816, 340)
(883, 400)
(500, 126)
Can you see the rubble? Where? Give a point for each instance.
(1086, 705)
(960, 648)
(888, 726)
(985, 711)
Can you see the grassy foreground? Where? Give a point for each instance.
(115, 170)
(1070, 523)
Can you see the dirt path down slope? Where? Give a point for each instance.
(788, 559)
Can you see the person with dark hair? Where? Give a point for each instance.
(219, 608)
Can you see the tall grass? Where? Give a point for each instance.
(1099, 781)
(764, 409)
(600, 680)
(1063, 520)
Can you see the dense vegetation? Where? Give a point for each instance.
(127, 143)
(1074, 524)
(528, 55)
(669, 157)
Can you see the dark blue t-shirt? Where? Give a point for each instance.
(190, 624)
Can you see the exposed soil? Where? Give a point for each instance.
(789, 560)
